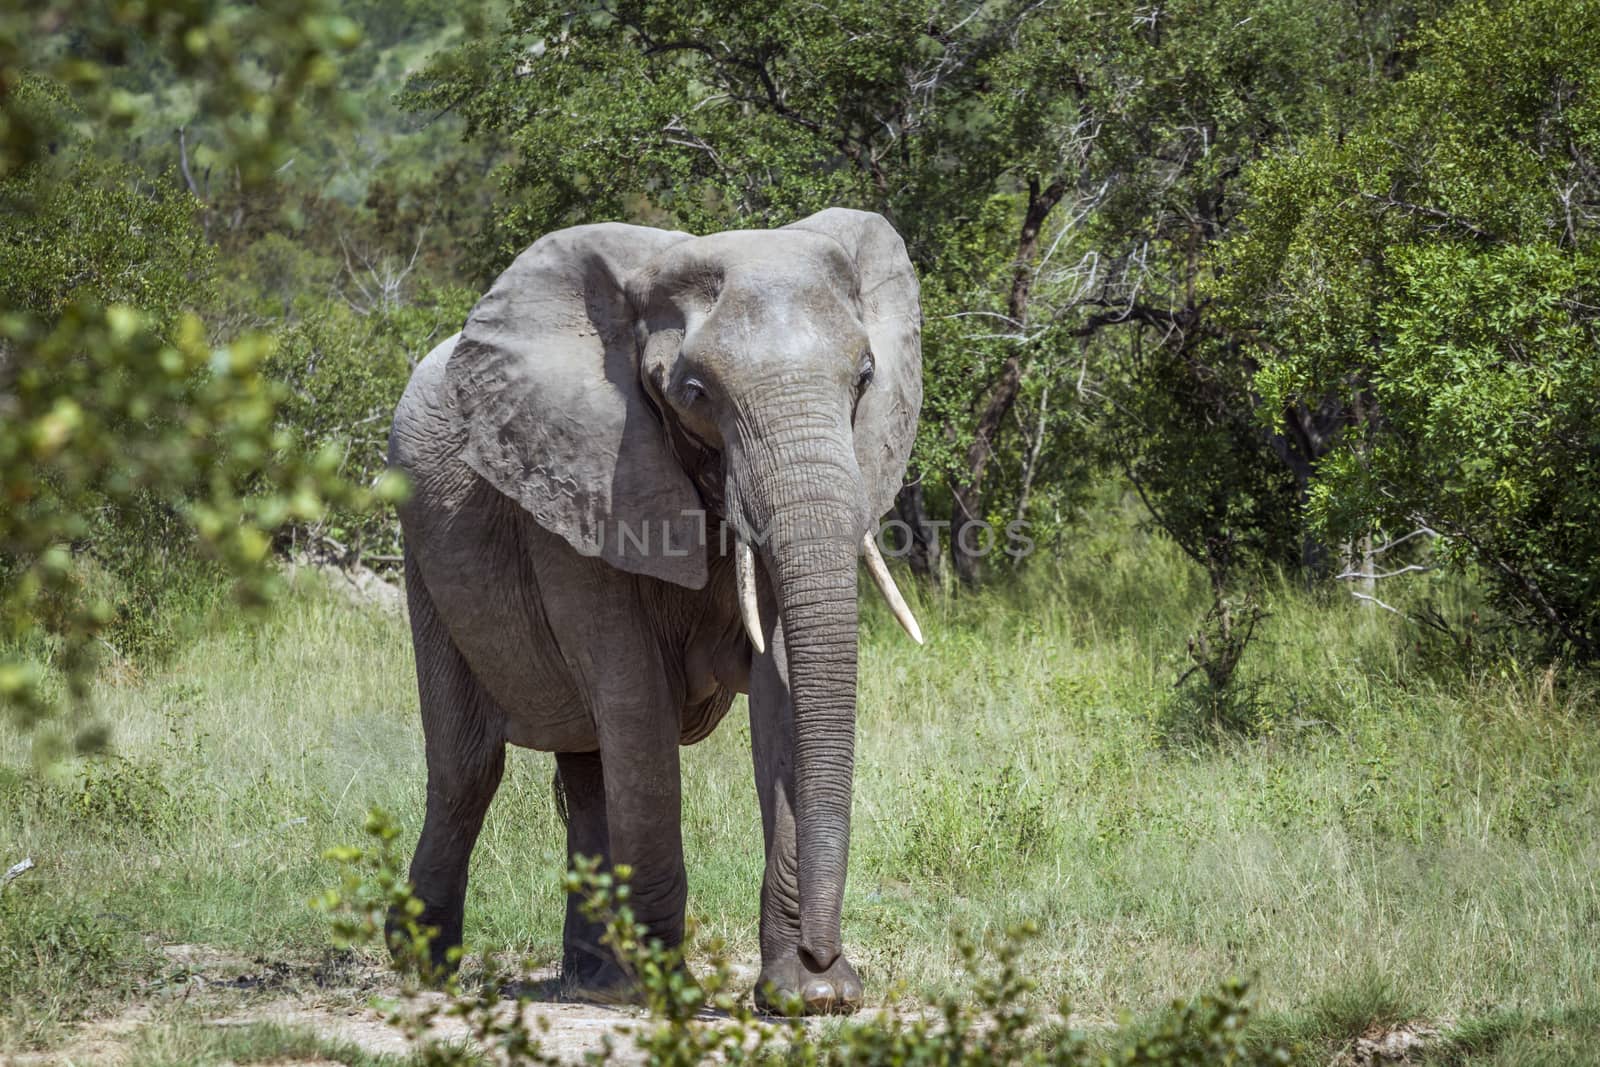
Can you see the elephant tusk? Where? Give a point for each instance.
(885, 583)
(744, 566)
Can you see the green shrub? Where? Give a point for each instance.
(344, 372)
(112, 393)
(1211, 700)
(118, 794)
(1430, 275)
(56, 955)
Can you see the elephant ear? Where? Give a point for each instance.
(546, 381)
(891, 309)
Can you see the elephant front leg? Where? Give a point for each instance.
(644, 819)
(588, 968)
(624, 805)
(787, 974)
(629, 803)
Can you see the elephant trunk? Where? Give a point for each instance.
(812, 515)
(816, 587)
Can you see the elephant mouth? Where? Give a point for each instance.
(702, 462)
(750, 604)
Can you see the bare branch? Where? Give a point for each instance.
(385, 278)
(183, 165)
(1412, 568)
(16, 871)
(1420, 531)
(1030, 466)
(1379, 603)
(1433, 213)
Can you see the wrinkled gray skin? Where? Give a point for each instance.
(624, 375)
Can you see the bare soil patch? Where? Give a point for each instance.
(1403, 1043)
(342, 997)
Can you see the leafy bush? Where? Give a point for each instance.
(1210, 699)
(55, 953)
(113, 396)
(118, 794)
(344, 372)
(1433, 272)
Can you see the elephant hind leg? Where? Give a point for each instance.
(464, 738)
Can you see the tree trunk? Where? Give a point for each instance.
(1307, 437)
(911, 508)
(967, 491)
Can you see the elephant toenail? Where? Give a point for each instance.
(818, 995)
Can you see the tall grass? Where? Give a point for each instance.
(1401, 828)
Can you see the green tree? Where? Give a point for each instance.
(112, 397)
(344, 371)
(1436, 273)
(1058, 170)
(956, 120)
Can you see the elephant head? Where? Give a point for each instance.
(621, 382)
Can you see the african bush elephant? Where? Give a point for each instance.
(642, 477)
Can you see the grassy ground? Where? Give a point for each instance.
(1401, 830)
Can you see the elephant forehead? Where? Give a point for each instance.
(779, 262)
(752, 316)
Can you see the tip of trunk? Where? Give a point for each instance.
(818, 953)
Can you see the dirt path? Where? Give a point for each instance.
(341, 999)
(573, 1029)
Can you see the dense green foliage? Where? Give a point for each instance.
(1437, 270)
(144, 453)
(344, 371)
(1237, 254)
(1058, 171)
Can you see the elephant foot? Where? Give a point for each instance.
(597, 981)
(789, 981)
(443, 951)
(607, 984)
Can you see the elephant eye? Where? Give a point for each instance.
(867, 368)
(691, 390)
